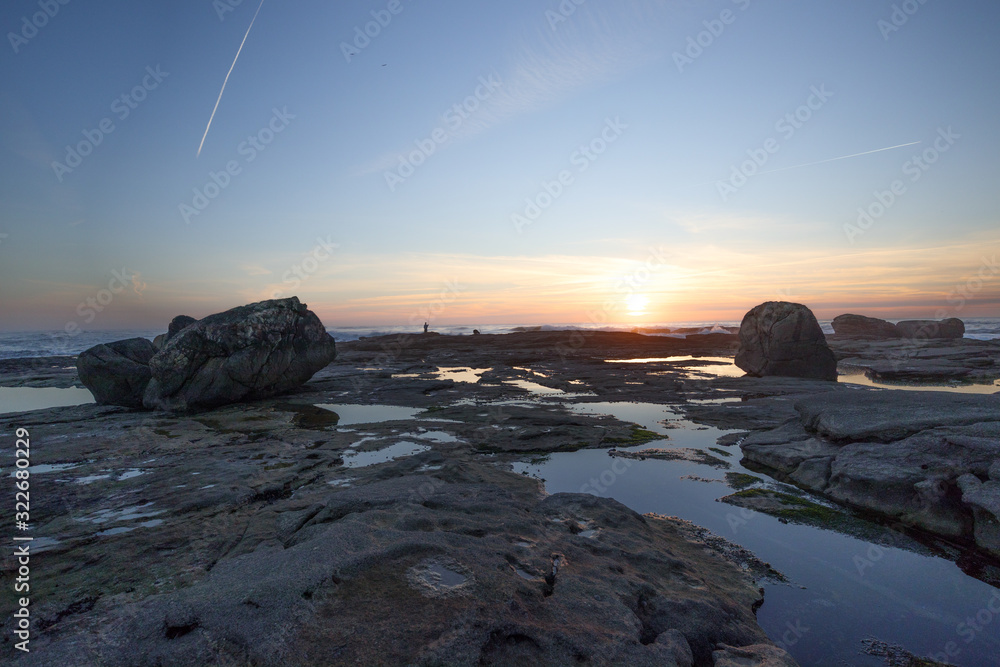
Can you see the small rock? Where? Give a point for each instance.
(673, 646)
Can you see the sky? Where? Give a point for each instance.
(476, 162)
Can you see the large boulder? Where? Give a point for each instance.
(246, 353)
(949, 328)
(781, 338)
(866, 327)
(117, 373)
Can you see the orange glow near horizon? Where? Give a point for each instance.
(696, 284)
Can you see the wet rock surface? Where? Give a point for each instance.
(242, 534)
(961, 360)
(899, 455)
(763, 655)
(252, 533)
(40, 372)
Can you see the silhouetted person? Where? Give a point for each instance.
(425, 327)
(475, 332)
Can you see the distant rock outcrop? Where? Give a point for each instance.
(949, 328)
(117, 373)
(781, 338)
(864, 327)
(246, 353)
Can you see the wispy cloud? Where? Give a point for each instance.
(702, 222)
(596, 44)
(255, 270)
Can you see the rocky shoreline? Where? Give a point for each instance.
(253, 537)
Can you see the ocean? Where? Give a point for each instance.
(50, 343)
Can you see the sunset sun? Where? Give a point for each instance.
(635, 304)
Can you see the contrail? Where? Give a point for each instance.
(809, 164)
(842, 157)
(212, 117)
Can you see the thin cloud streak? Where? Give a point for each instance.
(810, 164)
(592, 47)
(842, 157)
(238, 52)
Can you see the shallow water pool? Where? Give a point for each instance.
(390, 453)
(841, 590)
(23, 399)
(858, 377)
(369, 414)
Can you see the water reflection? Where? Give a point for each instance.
(23, 399)
(858, 377)
(843, 589)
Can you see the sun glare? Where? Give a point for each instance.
(636, 304)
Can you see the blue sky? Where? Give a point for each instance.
(639, 231)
